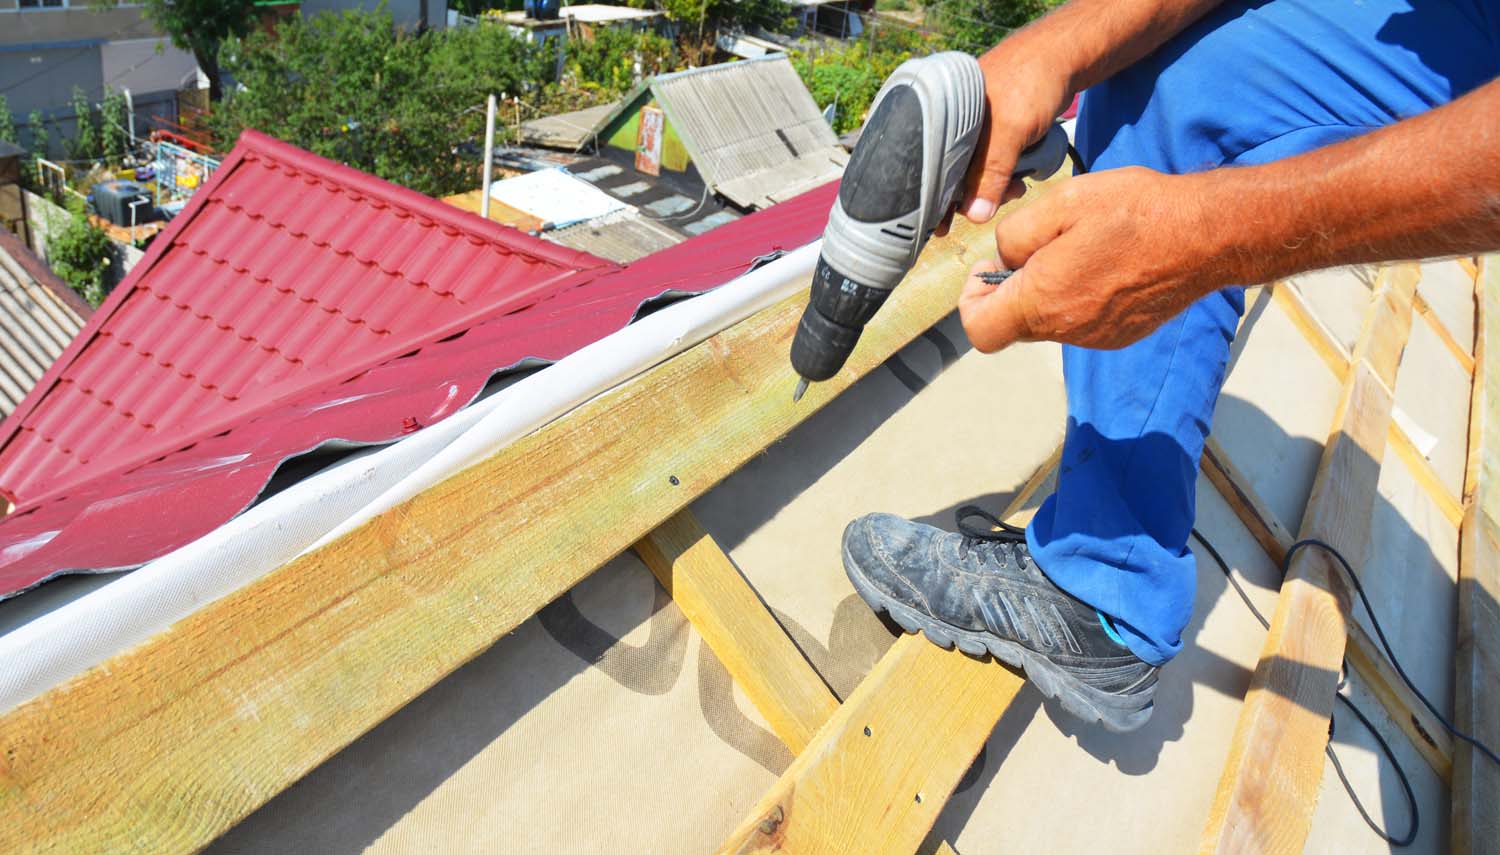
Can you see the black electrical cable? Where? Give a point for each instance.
(1386, 645)
(1385, 748)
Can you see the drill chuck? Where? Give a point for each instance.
(832, 322)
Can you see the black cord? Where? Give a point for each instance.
(1386, 645)
(1385, 748)
(1079, 168)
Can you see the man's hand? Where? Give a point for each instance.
(1100, 261)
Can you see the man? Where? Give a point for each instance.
(1227, 143)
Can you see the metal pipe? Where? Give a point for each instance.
(489, 156)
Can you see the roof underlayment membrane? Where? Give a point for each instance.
(297, 303)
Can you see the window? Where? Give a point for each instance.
(44, 4)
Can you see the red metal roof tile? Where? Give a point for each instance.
(294, 302)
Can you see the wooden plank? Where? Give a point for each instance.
(1266, 795)
(739, 628)
(877, 776)
(164, 746)
(1441, 330)
(1476, 694)
(1425, 732)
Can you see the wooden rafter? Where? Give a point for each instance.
(1266, 795)
(877, 775)
(1476, 695)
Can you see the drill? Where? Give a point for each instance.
(902, 179)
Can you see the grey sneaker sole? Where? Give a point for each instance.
(1117, 713)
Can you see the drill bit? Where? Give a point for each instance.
(800, 390)
(994, 277)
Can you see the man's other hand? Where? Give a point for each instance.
(1101, 261)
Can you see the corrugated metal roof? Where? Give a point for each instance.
(570, 131)
(749, 126)
(623, 236)
(295, 303)
(36, 321)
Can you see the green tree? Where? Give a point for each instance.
(85, 143)
(79, 253)
(114, 137)
(978, 25)
(353, 88)
(7, 123)
(849, 77)
(608, 60)
(41, 140)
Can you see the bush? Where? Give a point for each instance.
(608, 61)
(850, 77)
(79, 253)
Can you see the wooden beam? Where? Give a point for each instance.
(877, 775)
(739, 628)
(1266, 796)
(1440, 329)
(1420, 726)
(1333, 354)
(1476, 694)
(165, 746)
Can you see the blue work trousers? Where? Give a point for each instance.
(1248, 84)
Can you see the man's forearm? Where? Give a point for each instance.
(1093, 39)
(1427, 186)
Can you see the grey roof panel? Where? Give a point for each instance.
(35, 326)
(746, 123)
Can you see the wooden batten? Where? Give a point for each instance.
(1476, 695)
(1266, 795)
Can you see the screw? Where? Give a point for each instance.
(672, 479)
(867, 731)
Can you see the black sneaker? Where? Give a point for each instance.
(978, 588)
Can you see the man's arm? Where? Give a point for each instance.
(1107, 257)
(1034, 74)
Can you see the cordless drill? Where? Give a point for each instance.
(902, 179)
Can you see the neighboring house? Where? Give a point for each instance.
(407, 13)
(747, 131)
(48, 47)
(584, 19)
(39, 316)
(296, 305)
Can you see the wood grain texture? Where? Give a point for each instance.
(1421, 727)
(1440, 329)
(1268, 790)
(1475, 819)
(161, 748)
(876, 777)
(739, 628)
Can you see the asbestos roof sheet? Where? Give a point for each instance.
(623, 236)
(38, 317)
(297, 303)
(570, 131)
(746, 123)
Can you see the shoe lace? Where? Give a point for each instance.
(995, 534)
